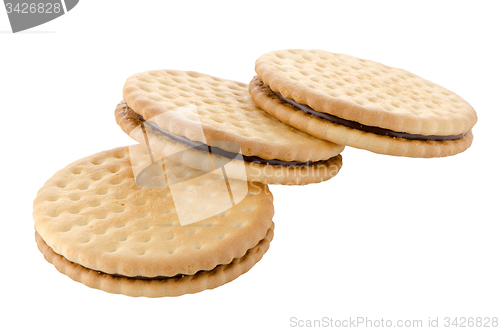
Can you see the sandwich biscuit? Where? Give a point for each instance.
(187, 115)
(362, 103)
(98, 225)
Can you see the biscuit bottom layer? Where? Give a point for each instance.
(196, 281)
(362, 127)
(230, 155)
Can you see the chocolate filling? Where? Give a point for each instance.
(178, 276)
(216, 150)
(362, 127)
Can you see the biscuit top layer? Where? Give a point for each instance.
(95, 214)
(366, 92)
(174, 100)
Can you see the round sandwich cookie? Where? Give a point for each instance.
(99, 226)
(188, 116)
(362, 103)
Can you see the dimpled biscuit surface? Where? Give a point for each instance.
(225, 110)
(93, 213)
(264, 173)
(365, 91)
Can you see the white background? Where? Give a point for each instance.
(389, 237)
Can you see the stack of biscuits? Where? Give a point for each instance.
(188, 207)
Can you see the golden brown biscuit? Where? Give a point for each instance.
(94, 214)
(194, 108)
(361, 103)
(316, 172)
(160, 286)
